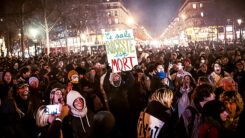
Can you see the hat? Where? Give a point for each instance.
(139, 70)
(22, 84)
(187, 60)
(72, 72)
(32, 79)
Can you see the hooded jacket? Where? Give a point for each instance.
(79, 119)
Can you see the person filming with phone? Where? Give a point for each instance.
(50, 118)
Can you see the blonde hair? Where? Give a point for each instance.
(41, 117)
(163, 95)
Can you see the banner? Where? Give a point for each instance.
(121, 50)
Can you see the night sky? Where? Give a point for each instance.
(154, 15)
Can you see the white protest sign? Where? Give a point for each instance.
(148, 126)
(121, 50)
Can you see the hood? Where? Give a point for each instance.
(71, 96)
(115, 84)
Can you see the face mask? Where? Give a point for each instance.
(202, 61)
(180, 67)
(117, 83)
(161, 75)
(217, 67)
(74, 79)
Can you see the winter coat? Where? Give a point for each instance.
(190, 123)
(184, 100)
(117, 95)
(78, 119)
(212, 129)
(154, 122)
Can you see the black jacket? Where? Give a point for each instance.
(162, 113)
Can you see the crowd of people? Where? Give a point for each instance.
(192, 92)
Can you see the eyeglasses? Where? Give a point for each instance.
(58, 93)
(73, 77)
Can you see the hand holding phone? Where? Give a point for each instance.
(52, 109)
(64, 111)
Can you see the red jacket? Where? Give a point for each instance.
(208, 131)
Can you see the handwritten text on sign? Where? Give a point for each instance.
(148, 126)
(121, 51)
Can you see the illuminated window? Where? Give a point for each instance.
(201, 5)
(229, 28)
(194, 6)
(109, 21)
(109, 13)
(108, 0)
(116, 20)
(202, 14)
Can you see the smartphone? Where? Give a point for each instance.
(52, 109)
(170, 65)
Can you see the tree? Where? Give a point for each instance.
(47, 16)
(15, 13)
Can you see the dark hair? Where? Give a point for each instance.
(4, 73)
(24, 70)
(213, 109)
(203, 79)
(202, 91)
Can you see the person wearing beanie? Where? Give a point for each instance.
(35, 93)
(73, 83)
(80, 117)
(73, 76)
(33, 82)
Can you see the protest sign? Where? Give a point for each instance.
(121, 50)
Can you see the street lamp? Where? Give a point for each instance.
(239, 21)
(34, 33)
(130, 21)
(183, 16)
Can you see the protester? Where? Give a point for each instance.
(191, 119)
(215, 115)
(234, 105)
(124, 94)
(80, 118)
(154, 121)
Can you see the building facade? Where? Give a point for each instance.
(200, 20)
(89, 20)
